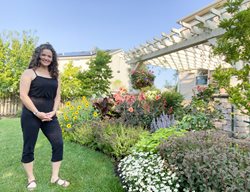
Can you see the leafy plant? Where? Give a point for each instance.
(150, 141)
(197, 122)
(208, 161)
(105, 107)
(234, 46)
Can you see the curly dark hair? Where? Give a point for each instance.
(53, 67)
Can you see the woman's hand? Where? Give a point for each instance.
(51, 114)
(44, 116)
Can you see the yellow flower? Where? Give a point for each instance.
(95, 114)
(76, 112)
(72, 108)
(84, 98)
(66, 118)
(68, 125)
(68, 103)
(79, 107)
(86, 104)
(75, 118)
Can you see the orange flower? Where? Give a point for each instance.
(157, 97)
(130, 109)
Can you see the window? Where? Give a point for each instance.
(202, 77)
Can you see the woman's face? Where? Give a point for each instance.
(46, 57)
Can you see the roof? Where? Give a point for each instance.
(83, 53)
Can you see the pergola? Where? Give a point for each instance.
(190, 46)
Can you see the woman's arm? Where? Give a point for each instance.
(25, 81)
(57, 100)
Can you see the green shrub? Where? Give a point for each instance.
(198, 121)
(208, 161)
(150, 141)
(115, 139)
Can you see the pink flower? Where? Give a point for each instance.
(118, 98)
(130, 109)
(141, 97)
(130, 99)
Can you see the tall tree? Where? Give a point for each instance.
(96, 80)
(235, 46)
(15, 53)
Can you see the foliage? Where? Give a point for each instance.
(15, 52)
(142, 78)
(74, 113)
(201, 108)
(197, 122)
(115, 139)
(150, 141)
(105, 107)
(70, 84)
(110, 137)
(234, 44)
(208, 161)
(96, 80)
(147, 172)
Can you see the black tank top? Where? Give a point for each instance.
(43, 87)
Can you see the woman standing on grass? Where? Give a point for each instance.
(40, 95)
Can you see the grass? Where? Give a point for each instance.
(87, 170)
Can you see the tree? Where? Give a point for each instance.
(15, 53)
(70, 84)
(96, 80)
(235, 46)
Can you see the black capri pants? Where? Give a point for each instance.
(51, 129)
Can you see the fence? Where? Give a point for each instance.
(9, 106)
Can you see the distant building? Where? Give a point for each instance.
(118, 65)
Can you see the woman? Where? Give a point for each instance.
(40, 95)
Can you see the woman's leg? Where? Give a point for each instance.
(30, 128)
(53, 132)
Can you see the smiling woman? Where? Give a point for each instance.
(40, 95)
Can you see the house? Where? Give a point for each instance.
(118, 65)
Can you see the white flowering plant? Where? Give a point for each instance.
(147, 172)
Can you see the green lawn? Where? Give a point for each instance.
(87, 170)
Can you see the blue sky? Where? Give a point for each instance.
(81, 25)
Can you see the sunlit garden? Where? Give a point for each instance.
(140, 139)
